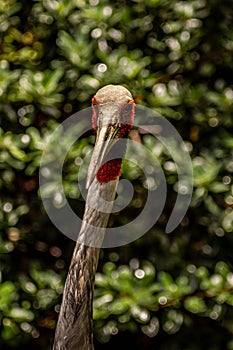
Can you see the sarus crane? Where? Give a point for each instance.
(112, 119)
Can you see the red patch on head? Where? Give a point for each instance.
(128, 111)
(94, 113)
(131, 111)
(111, 170)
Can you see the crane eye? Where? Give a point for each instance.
(94, 117)
(128, 111)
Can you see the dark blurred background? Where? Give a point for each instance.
(164, 291)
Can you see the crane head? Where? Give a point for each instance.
(112, 118)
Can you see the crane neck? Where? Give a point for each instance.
(74, 328)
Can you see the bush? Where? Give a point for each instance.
(163, 291)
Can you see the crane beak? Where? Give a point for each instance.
(106, 138)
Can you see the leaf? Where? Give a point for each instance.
(195, 305)
(20, 314)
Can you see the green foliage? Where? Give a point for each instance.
(131, 295)
(168, 291)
